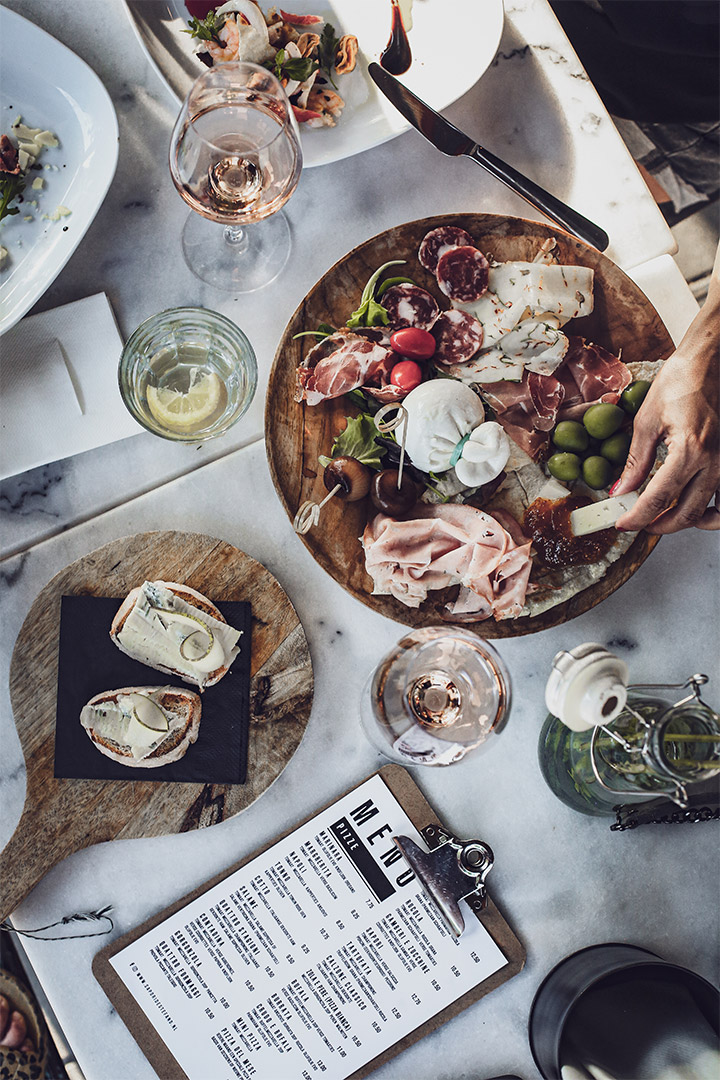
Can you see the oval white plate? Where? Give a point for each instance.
(453, 43)
(60, 92)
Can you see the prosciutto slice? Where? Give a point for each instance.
(528, 410)
(340, 363)
(446, 545)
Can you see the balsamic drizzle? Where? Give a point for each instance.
(397, 56)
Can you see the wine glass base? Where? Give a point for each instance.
(249, 262)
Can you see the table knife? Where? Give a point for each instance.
(450, 140)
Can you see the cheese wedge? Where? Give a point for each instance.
(601, 515)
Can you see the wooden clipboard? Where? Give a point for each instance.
(413, 802)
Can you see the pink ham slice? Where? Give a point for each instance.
(449, 545)
(528, 410)
(339, 363)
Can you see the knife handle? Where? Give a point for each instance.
(552, 207)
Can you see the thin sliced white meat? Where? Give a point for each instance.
(447, 545)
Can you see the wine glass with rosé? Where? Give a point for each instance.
(235, 158)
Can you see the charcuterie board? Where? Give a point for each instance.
(623, 320)
(61, 816)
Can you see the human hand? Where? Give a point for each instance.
(681, 409)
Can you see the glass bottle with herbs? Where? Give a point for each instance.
(611, 745)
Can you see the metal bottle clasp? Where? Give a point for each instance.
(676, 790)
(451, 871)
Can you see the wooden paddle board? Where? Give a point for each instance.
(61, 816)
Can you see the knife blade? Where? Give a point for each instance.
(455, 143)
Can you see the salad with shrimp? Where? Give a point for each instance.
(304, 51)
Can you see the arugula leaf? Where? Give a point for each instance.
(11, 185)
(207, 29)
(324, 330)
(327, 50)
(357, 441)
(370, 312)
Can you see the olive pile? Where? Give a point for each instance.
(597, 449)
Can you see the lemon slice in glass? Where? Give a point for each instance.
(189, 410)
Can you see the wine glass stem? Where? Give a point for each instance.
(236, 238)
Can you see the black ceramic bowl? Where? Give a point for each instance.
(590, 969)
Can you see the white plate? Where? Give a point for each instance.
(58, 91)
(453, 43)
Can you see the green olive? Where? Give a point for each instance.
(602, 421)
(615, 449)
(569, 435)
(564, 466)
(597, 472)
(633, 396)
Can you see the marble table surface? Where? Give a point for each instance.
(563, 880)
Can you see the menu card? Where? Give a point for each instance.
(309, 960)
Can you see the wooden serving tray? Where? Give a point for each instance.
(61, 816)
(623, 319)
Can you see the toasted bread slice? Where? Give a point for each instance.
(181, 707)
(195, 605)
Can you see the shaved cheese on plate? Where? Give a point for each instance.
(601, 515)
(516, 289)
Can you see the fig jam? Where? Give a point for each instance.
(547, 522)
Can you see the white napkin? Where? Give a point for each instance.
(58, 385)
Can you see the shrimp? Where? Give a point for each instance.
(230, 38)
(327, 103)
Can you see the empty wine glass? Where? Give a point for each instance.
(235, 158)
(437, 696)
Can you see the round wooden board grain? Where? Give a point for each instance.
(623, 319)
(62, 816)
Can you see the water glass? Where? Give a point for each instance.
(188, 374)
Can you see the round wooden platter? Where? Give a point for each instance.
(623, 319)
(61, 816)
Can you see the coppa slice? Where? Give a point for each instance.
(342, 362)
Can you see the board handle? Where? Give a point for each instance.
(34, 848)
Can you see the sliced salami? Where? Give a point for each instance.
(409, 305)
(463, 273)
(438, 241)
(458, 335)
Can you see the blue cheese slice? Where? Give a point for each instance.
(118, 721)
(601, 515)
(163, 630)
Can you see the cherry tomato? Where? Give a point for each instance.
(407, 375)
(413, 342)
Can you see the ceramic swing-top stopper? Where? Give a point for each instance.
(587, 687)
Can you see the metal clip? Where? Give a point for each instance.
(453, 870)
